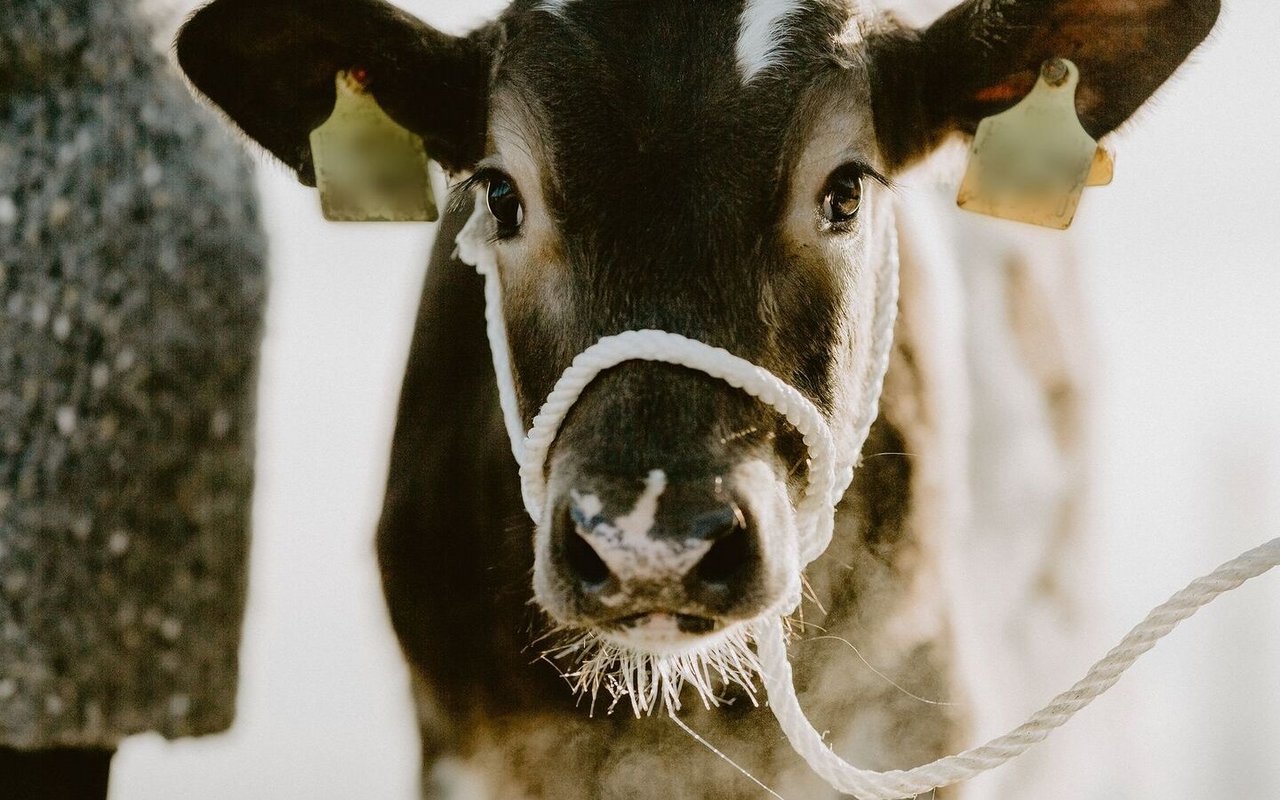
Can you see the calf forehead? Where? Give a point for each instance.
(646, 111)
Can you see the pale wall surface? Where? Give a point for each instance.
(1184, 278)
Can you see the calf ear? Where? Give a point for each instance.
(271, 64)
(984, 55)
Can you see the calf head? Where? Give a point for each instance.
(718, 169)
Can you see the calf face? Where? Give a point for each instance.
(661, 189)
(713, 168)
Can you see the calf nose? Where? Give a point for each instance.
(683, 548)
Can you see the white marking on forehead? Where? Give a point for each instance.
(556, 8)
(762, 31)
(855, 28)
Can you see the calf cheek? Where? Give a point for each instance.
(541, 346)
(806, 314)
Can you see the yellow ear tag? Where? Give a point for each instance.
(369, 168)
(1032, 162)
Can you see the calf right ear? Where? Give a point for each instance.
(983, 56)
(271, 64)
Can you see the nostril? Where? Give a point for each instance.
(715, 525)
(728, 558)
(584, 563)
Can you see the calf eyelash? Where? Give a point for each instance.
(461, 191)
(869, 171)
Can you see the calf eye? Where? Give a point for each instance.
(504, 204)
(842, 196)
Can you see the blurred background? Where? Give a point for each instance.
(1182, 271)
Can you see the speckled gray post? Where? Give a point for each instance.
(131, 295)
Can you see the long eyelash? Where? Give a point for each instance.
(871, 173)
(461, 191)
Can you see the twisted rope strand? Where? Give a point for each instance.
(897, 784)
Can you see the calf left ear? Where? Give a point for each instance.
(271, 64)
(984, 56)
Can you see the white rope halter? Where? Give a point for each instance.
(830, 474)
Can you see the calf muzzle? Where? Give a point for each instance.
(629, 551)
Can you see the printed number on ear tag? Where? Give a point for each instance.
(369, 168)
(1032, 162)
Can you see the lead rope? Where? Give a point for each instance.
(829, 478)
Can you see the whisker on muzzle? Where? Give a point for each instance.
(653, 681)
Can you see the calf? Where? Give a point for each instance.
(720, 169)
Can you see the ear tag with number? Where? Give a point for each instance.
(1032, 162)
(369, 167)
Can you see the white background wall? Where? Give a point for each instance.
(1183, 275)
